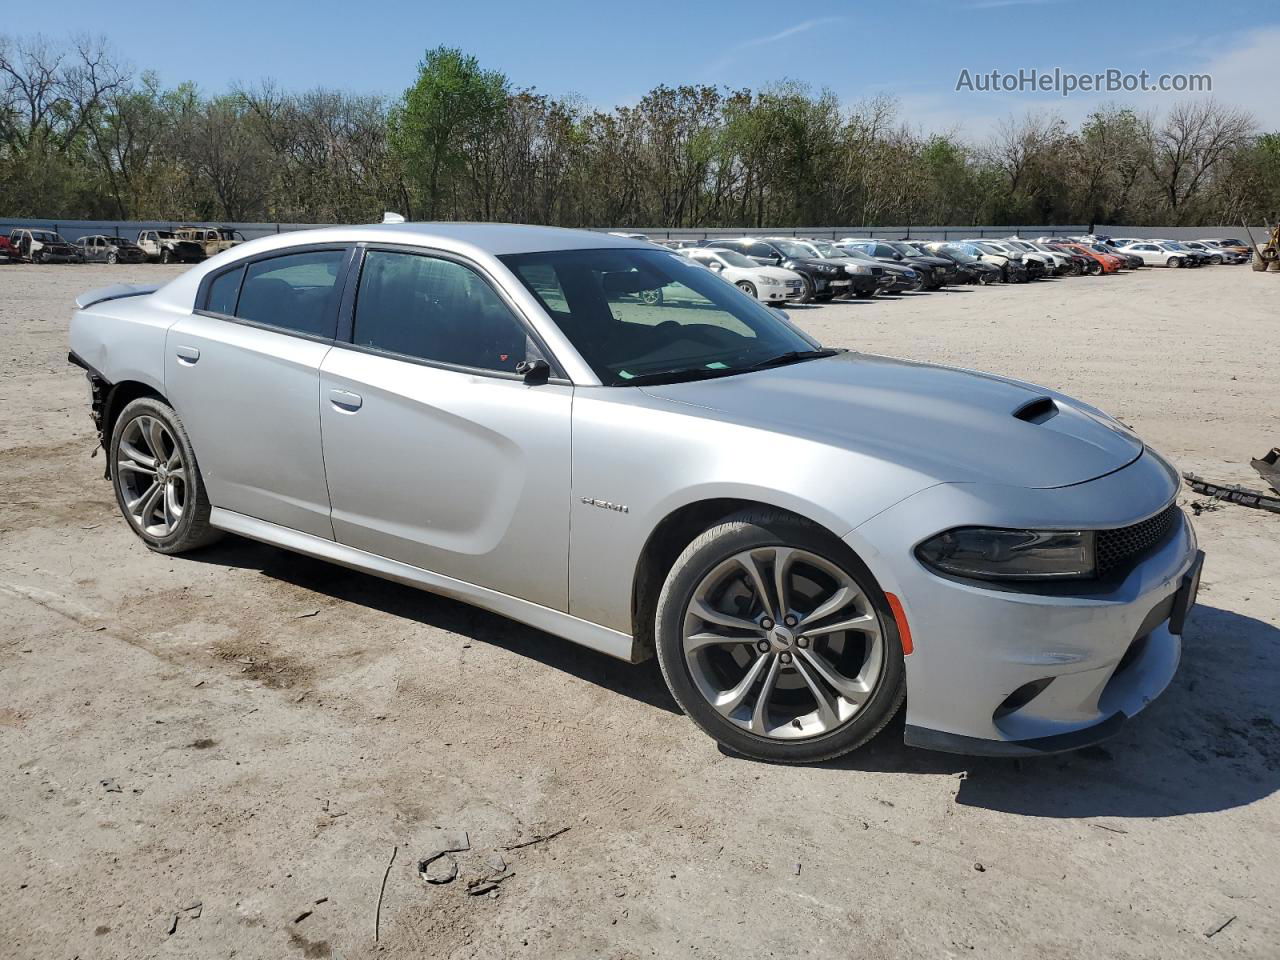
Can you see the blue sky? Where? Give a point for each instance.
(611, 52)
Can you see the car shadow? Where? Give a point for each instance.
(1210, 742)
(642, 682)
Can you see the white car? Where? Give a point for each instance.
(1057, 263)
(1028, 256)
(1156, 254)
(766, 284)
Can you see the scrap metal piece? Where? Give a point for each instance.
(1233, 493)
(1268, 467)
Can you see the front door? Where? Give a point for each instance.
(438, 454)
(243, 373)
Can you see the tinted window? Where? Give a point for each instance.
(295, 292)
(761, 250)
(223, 293)
(439, 310)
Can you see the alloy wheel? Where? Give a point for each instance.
(783, 643)
(152, 476)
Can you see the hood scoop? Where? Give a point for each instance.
(1037, 411)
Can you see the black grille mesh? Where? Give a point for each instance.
(1121, 547)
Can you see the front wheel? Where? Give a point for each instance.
(113, 257)
(747, 287)
(776, 640)
(156, 479)
(1174, 262)
(1095, 269)
(166, 256)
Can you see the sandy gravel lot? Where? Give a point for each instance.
(255, 733)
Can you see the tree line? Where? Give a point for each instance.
(82, 136)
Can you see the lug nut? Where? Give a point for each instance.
(790, 621)
(802, 641)
(766, 624)
(786, 658)
(763, 646)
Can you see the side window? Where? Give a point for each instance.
(295, 292)
(223, 292)
(760, 250)
(437, 310)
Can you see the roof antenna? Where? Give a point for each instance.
(390, 217)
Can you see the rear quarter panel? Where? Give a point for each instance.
(124, 339)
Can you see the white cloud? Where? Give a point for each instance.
(803, 27)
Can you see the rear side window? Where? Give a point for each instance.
(438, 310)
(295, 292)
(223, 292)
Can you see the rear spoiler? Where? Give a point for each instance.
(116, 291)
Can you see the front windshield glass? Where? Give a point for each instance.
(166, 235)
(44, 236)
(903, 248)
(826, 249)
(644, 316)
(957, 252)
(1175, 246)
(734, 259)
(990, 248)
(793, 249)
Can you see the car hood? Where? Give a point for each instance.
(776, 273)
(950, 424)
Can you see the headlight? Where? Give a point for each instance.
(992, 554)
(770, 282)
(857, 268)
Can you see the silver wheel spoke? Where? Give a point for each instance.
(760, 715)
(155, 439)
(699, 640)
(837, 601)
(828, 715)
(729, 700)
(864, 622)
(703, 611)
(852, 689)
(782, 559)
(135, 466)
(748, 563)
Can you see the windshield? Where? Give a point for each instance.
(734, 259)
(231, 234)
(1171, 245)
(826, 249)
(640, 316)
(44, 236)
(856, 253)
(903, 249)
(166, 235)
(957, 252)
(793, 249)
(990, 248)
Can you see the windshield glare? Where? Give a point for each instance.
(793, 249)
(734, 259)
(651, 314)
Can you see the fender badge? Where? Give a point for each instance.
(606, 505)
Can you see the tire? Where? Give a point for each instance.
(806, 290)
(747, 287)
(1095, 269)
(984, 279)
(1173, 262)
(38, 257)
(166, 256)
(1216, 259)
(133, 440)
(709, 574)
(113, 257)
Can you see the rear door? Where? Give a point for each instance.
(243, 372)
(437, 453)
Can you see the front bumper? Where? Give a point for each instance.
(1107, 650)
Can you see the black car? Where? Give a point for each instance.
(868, 275)
(824, 279)
(969, 268)
(933, 271)
(901, 277)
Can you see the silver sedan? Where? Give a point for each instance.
(509, 416)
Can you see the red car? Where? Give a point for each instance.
(8, 251)
(1106, 263)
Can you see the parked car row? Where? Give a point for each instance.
(184, 245)
(1156, 252)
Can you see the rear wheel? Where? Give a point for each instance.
(776, 640)
(747, 287)
(156, 479)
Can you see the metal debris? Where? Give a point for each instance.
(439, 869)
(1218, 928)
(1234, 493)
(110, 786)
(538, 839)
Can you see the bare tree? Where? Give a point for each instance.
(1195, 137)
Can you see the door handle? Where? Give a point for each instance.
(345, 400)
(187, 355)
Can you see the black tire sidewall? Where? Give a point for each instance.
(192, 530)
(745, 532)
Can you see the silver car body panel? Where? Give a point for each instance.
(537, 502)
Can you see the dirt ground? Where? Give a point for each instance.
(216, 755)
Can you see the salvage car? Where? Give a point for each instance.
(8, 250)
(1230, 243)
(165, 246)
(822, 280)
(766, 284)
(103, 249)
(901, 278)
(971, 269)
(932, 276)
(1216, 255)
(803, 535)
(213, 240)
(866, 277)
(43, 246)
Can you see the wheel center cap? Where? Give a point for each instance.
(781, 639)
(162, 472)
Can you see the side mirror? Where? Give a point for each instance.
(715, 265)
(897, 256)
(534, 371)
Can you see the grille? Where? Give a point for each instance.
(876, 271)
(1123, 546)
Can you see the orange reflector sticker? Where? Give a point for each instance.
(900, 618)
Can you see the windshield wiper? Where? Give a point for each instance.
(793, 356)
(678, 376)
